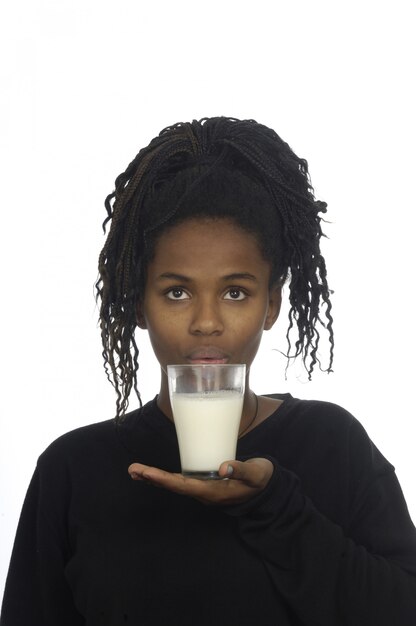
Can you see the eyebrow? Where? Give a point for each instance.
(187, 279)
(240, 276)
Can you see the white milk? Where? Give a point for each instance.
(207, 428)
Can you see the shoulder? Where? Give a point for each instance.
(78, 442)
(93, 440)
(328, 425)
(313, 414)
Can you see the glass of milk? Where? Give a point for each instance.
(207, 402)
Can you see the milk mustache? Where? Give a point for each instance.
(207, 428)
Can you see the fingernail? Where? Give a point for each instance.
(134, 476)
(230, 470)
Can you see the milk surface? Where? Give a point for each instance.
(207, 428)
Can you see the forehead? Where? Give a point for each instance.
(208, 242)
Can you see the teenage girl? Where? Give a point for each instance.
(208, 222)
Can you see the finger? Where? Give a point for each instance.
(254, 472)
(171, 481)
(137, 470)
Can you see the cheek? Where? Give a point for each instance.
(159, 344)
(163, 332)
(157, 331)
(248, 332)
(254, 339)
(250, 323)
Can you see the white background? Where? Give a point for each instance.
(86, 83)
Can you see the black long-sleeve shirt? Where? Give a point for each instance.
(329, 542)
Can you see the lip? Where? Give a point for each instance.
(208, 355)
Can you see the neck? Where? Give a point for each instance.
(250, 412)
(163, 402)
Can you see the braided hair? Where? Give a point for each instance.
(221, 168)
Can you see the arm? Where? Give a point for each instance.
(326, 577)
(360, 573)
(36, 592)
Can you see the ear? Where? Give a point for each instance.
(140, 318)
(275, 302)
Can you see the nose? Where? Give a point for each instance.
(206, 318)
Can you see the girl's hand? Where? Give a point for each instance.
(245, 480)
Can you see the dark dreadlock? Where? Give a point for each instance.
(219, 167)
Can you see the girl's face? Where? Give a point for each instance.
(207, 296)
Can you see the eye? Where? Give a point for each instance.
(234, 293)
(177, 293)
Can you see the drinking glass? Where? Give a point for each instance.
(207, 402)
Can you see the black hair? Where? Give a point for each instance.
(221, 168)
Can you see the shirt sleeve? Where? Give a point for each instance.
(36, 592)
(360, 574)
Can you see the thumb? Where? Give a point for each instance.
(254, 472)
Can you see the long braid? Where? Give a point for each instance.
(211, 145)
(293, 222)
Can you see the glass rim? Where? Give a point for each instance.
(195, 365)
